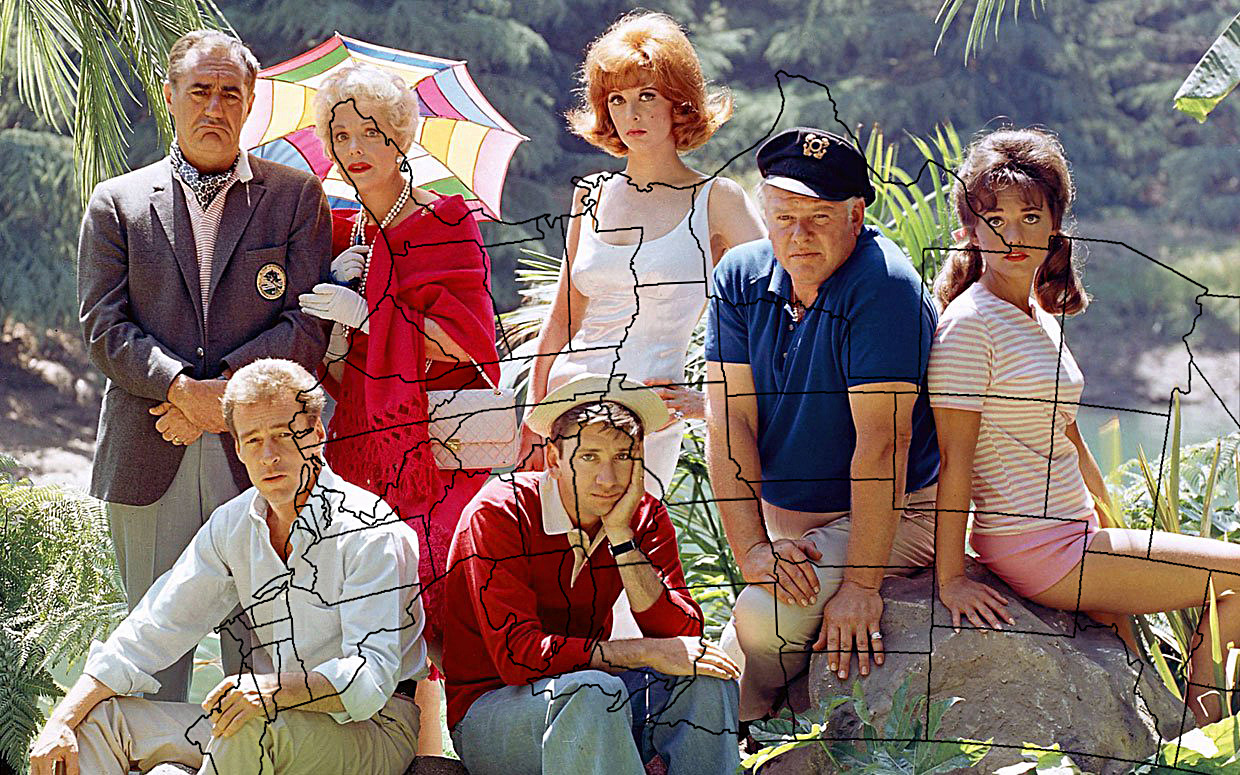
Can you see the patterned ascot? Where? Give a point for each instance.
(204, 186)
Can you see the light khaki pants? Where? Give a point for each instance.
(770, 640)
(149, 539)
(130, 732)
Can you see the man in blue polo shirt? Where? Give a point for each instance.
(822, 451)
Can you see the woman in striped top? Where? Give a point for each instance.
(1005, 390)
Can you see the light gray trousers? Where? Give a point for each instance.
(149, 539)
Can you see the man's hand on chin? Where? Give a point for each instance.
(850, 621)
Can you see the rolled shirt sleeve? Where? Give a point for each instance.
(379, 602)
(181, 607)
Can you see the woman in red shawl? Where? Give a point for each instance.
(421, 319)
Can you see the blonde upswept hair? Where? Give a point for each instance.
(1034, 163)
(376, 93)
(641, 48)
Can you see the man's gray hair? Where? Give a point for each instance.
(269, 379)
(210, 41)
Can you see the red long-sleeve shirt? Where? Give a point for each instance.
(513, 614)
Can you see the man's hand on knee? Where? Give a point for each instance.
(239, 698)
(55, 744)
(788, 564)
(850, 620)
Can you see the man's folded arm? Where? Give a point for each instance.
(674, 612)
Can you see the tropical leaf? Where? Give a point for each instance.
(70, 56)
(1214, 77)
(986, 14)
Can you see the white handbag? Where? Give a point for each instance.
(472, 428)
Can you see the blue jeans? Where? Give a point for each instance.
(594, 723)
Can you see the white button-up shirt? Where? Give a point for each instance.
(346, 604)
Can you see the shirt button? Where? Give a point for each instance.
(789, 326)
(785, 355)
(200, 352)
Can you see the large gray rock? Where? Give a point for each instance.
(1051, 678)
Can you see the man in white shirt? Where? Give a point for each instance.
(328, 576)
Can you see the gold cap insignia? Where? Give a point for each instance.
(814, 145)
(271, 281)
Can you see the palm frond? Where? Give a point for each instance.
(986, 14)
(75, 60)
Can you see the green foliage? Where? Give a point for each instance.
(69, 56)
(59, 589)
(1211, 750)
(903, 743)
(1186, 492)
(1042, 761)
(39, 220)
(986, 14)
(1215, 75)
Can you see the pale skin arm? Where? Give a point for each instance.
(882, 413)
(56, 743)
(567, 309)
(239, 698)
(980, 604)
(562, 323)
(735, 476)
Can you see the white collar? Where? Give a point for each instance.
(555, 521)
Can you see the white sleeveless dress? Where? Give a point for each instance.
(644, 301)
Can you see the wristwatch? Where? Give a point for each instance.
(622, 547)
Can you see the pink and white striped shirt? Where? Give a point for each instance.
(990, 357)
(206, 224)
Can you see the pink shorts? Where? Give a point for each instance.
(1033, 562)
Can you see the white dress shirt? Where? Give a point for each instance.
(346, 605)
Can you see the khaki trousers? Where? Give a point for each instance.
(770, 640)
(130, 732)
(149, 539)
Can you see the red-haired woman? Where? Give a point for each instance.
(642, 243)
(1005, 391)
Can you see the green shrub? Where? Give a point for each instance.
(59, 589)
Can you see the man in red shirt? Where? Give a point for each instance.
(533, 683)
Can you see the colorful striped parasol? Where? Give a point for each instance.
(463, 145)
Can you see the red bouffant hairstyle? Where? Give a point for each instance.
(645, 48)
(1032, 161)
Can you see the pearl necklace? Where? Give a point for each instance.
(359, 231)
(358, 237)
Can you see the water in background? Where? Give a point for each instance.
(1150, 426)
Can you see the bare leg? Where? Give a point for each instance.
(1127, 572)
(430, 734)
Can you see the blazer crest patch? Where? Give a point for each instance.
(271, 281)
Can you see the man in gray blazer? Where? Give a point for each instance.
(188, 269)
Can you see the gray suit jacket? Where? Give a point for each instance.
(141, 310)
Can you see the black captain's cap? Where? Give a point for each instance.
(812, 162)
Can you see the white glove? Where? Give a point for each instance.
(348, 265)
(338, 303)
